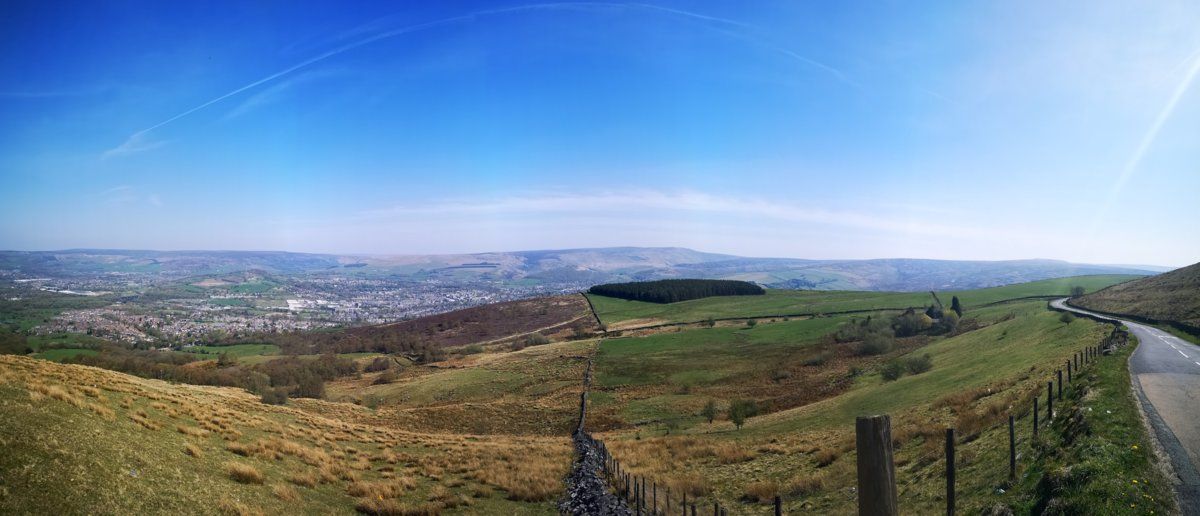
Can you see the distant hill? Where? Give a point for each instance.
(1171, 296)
(566, 268)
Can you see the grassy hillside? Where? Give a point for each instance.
(534, 391)
(484, 431)
(1170, 296)
(619, 313)
(111, 443)
(806, 453)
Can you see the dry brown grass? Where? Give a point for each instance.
(102, 411)
(804, 484)
(244, 473)
(732, 453)
(389, 507)
(191, 430)
(192, 450)
(760, 492)
(144, 421)
(285, 492)
(693, 484)
(235, 508)
(381, 489)
(826, 456)
(305, 479)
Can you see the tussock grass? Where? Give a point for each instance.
(193, 450)
(231, 507)
(285, 492)
(243, 473)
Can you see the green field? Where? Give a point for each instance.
(1033, 338)
(58, 355)
(704, 356)
(237, 350)
(794, 302)
(1005, 354)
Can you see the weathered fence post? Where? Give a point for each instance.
(654, 506)
(693, 509)
(1060, 385)
(1068, 371)
(1077, 361)
(668, 510)
(684, 503)
(949, 472)
(1035, 416)
(778, 506)
(643, 491)
(876, 470)
(716, 509)
(1049, 401)
(1012, 448)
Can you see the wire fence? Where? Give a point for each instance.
(1024, 418)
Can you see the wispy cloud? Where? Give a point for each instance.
(128, 195)
(139, 142)
(694, 203)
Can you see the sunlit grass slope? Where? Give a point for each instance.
(618, 312)
(84, 440)
(806, 453)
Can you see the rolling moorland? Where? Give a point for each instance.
(484, 427)
(1170, 297)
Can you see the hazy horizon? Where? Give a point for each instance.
(956, 132)
(495, 251)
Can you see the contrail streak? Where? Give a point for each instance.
(1151, 135)
(136, 141)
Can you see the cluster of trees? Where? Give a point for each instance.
(13, 343)
(674, 290)
(365, 339)
(275, 380)
(877, 335)
(738, 412)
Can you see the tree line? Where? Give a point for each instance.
(674, 290)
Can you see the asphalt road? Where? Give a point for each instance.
(1165, 372)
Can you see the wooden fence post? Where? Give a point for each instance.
(1060, 385)
(876, 470)
(654, 506)
(949, 472)
(1049, 401)
(1035, 416)
(1068, 371)
(716, 509)
(1012, 449)
(778, 506)
(668, 511)
(1077, 361)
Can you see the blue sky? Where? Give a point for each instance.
(960, 130)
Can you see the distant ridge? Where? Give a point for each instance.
(570, 268)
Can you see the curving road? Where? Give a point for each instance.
(1165, 371)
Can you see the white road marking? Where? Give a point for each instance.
(1197, 363)
(1182, 353)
